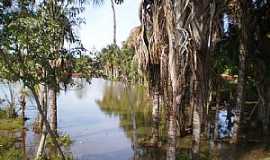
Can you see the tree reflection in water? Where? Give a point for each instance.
(133, 107)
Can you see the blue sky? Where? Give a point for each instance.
(98, 30)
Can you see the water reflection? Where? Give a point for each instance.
(132, 105)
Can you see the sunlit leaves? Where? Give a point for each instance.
(32, 43)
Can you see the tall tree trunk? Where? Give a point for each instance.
(114, 22)
(243, 52)
(53, 109)
(170, 27)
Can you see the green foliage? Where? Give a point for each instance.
(39, 57)
(226, 54)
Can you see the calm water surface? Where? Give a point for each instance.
(95, 134)
(111, 121)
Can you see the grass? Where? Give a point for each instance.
(8, 151)
(11, 154)
(11, 124)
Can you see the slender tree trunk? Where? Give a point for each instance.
(42, 141)
(114, 22)
(53, 109)
(267, 113)
(44, 133)
(243, 52)
(216, 136)
(42, 101)
(46, 123)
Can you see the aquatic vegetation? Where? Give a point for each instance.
(64, 140)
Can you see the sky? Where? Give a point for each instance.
(97, 32)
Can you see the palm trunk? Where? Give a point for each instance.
(170, 27)
(53, 109)
(114, 22)
(196, 133)
(243, 19)
(196, 121)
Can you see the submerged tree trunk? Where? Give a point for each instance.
(154, 78)
(41, 146)
(197, 116)
(44, 98)
(46, 123)
(134, 136)
(23, 104)
(170, 27)
(53, 109)
(156, 118)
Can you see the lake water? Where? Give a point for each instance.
(112, 121)
(96, 135)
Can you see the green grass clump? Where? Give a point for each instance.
(11, 154)
(3, 114)
(11, 124)
(63, 140)
(6, 142)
